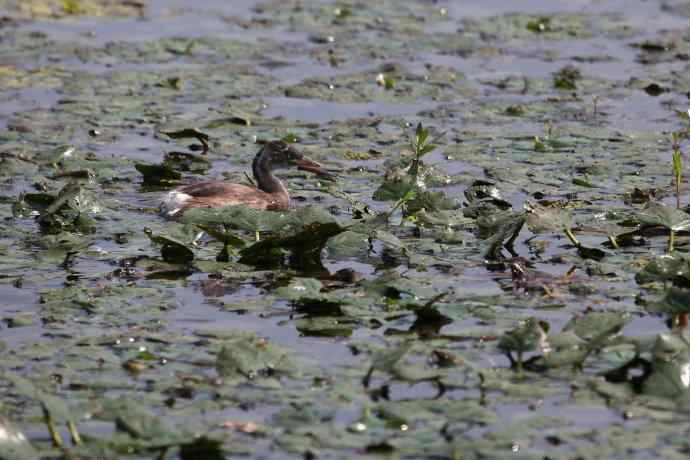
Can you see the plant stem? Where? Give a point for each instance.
(614, 242)
(671, 240)
(482, 389)
(571, 237)
(74, 434)
(677, 166)
(54, 434)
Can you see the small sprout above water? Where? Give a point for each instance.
(540, 24)
(386, 82)
(566, 78)
(530, 336)
(422, 144)
(341, 14)
(539, 145)
(290, 138)
(677, 166)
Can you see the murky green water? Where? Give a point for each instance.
(423, 335)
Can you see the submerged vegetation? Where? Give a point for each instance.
(502, 266)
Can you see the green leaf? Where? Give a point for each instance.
(426, 149)
(243, 217)
(666, 268)
(597, 326)
(529, 336)
(675, 301)
(395, 189)
(222, 234)
(203, 447)
(248, 356)
(158, 174)
(189, 133)
(539, 25)
(56, 155)
(56, 407)
(421, 135)
(541, 219)
(539, 146)
(325, 326)
(67, 193)
(591, 253)
(174, 250)
(183, 161)
(301, 250)
(677, 164)
(666, 216)
(13, 443)
(135, 419)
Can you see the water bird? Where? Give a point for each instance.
(269, 195)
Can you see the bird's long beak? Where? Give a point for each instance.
(305, 164)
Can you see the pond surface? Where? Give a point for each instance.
(520, 290)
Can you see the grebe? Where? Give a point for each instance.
(271, 194)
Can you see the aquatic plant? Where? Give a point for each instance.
(677, 166)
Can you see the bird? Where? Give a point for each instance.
(269, 195)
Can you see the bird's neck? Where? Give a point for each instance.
(267, 182)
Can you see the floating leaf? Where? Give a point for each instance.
(500, 229)
(595, 327)
(325, 326)
(529, 336)
(244, 218)
(182, 161)
(668, 375)
(13, 443)
(429, 201)
(190, 133)
(67, 193)
(248, 356)
(675, 301)
(56, 155)
(394, 189)
(162, 174)
(173, 250)
(542, 219)
(666, 268)
(385, 360)
(666, 216)
(203, 447)
(301, 250)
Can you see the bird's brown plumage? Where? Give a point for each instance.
(213, 194)
(270, 195)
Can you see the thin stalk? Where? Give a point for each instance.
(614, 242)
(677, 166)
(54, 434)
(74, 434)
(414, 168)
(399, 203)
(671, 240)
(571, 237)
(482, 389)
